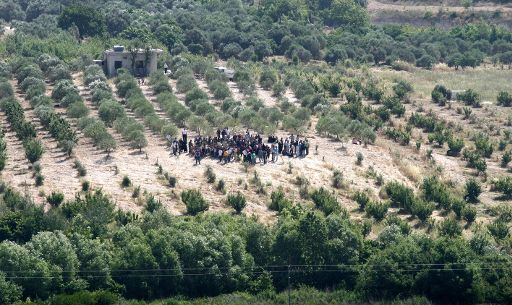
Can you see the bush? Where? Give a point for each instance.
(172, 181)
(450, 227)
(279, 201)
(194, 202)
(39, 179)
(221, 186)
(504, 185)
(504, 99)
(499, 229)
(109, 111)
(55, 199)
(33, 150)
(473, 190)
(210, 175)
(470, 98)
(422, 209)
(359, 160)
(377, 210)
(152, 204)
(185, 83)
(393, 219)
(505, 159)
(219, 89)
(469, 214)
(85, 186)
(362, 199)
(126, 182)
(337, 179)
(237, 202)
(458, 206)
(77, 110)
(267, 79)
(137, 140)
(455, 146)
(441, 94)
(325, 201)
(400, 195)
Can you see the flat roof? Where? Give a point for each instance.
(139, 51)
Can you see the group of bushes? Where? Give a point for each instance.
(470, 98)
(86, 241)
(340, 126)
(217, 85)
(3, 151)
(24, 130)
(441, 94)
(128, 89)
(35, 88)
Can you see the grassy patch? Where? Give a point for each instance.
(487, 82)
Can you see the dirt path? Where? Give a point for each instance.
(266, 96)
(57, 166)
(376, 6)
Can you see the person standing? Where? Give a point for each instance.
(184, 134)
(197, 156)
(274, 153)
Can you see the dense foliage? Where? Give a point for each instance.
(85, 243)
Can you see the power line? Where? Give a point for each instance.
(155, 275)
(272, 267)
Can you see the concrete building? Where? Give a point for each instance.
(141, 62)
(230, 74)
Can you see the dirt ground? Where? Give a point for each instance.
(386, 158)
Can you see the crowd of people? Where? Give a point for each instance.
(227, 147)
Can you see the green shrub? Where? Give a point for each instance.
(126, 182)
(221, 186)
(172, 181)
(136, 192)
(473, 190)
(279, 201)
(359, 160)
(400, 195)
(194, 202)
(219, 89)
(210, 175)
(325, 201)
(82, 171)
(504, 185)
(39, 179)
(85, 186)
(152, 204)
(469, 214)
(33, 150)
(458, 206)
(450, 227)
(499, 229)
(237, 202)
(377, 210)
(470, 98)
(504, 99)
(422, 209)
(455, 146)
(484, 145)
(55, 199)
(337, 179)
(393, 219)
(362, 199)
(505, 159)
